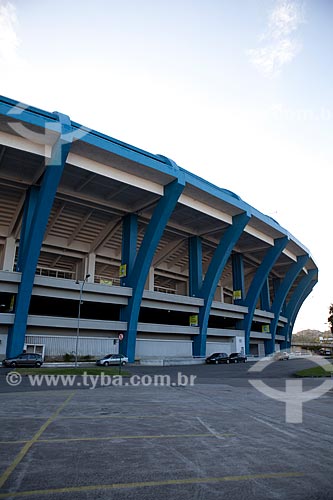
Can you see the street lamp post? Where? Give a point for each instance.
(79, 315)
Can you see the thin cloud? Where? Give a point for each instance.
(285, 18)
(279, 45)
(9, 40)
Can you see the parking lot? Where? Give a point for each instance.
(217, 438)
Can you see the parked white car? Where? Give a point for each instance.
(281, 356)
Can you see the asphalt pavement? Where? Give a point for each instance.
(212, 436)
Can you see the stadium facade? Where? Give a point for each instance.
(99, 238)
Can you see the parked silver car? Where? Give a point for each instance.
(112, 359)
(23, 360)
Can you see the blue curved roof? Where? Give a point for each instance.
(38, 117)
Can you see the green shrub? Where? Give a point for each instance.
(87, 357)
(68, 357)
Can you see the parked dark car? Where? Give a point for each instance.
(25, 359)
(325, 352)
(237, 357)
(218, 357)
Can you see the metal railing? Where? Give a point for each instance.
(55, 273)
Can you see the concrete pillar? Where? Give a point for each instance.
(90, 267)
(218, 296)
(195, 265)
(150, 279)
(9, 254)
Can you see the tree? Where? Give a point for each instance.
(330, 318)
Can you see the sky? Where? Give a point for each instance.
(238, 92)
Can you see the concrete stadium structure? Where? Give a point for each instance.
(98, 237)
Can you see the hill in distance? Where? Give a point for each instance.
(312, 335)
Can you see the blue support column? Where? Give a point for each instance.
(29, 210)
(129, 242)
(36, 218)
(280, 297)
(301, 292)
(276, 284)
(257, 283)
(138, 276)
(238, 276)
(287, 342)
(215, 269)
(195, 265)
(265, 299)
